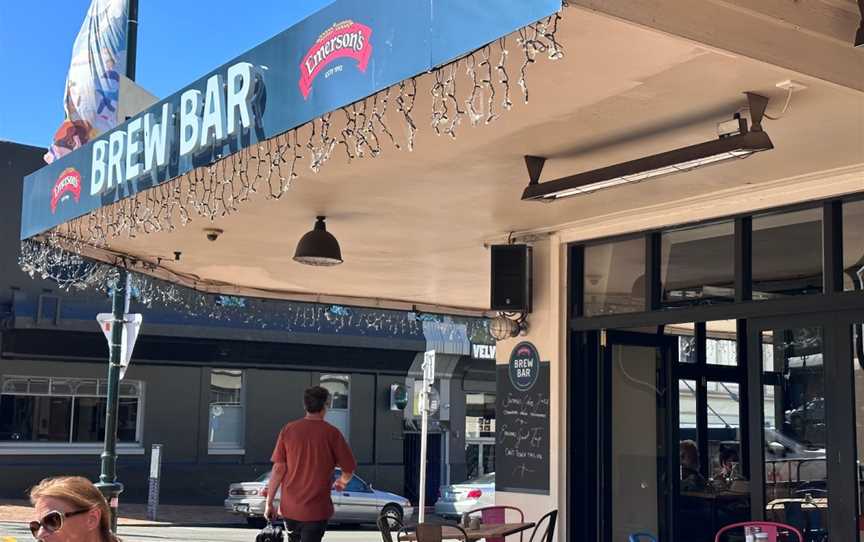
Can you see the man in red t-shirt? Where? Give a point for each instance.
(306, 454)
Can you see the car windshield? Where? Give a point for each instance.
(264, 477)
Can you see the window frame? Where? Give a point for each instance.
(227, 449)
(75, 448)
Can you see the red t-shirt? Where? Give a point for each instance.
(311, 449)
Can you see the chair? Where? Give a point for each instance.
(550, 518)
(430, 532)
(388, 524)
(772, 528)
(497, 515)
(638, 537)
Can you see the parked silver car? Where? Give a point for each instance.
(456, 499)
(359, 503)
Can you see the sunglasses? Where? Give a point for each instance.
(53, 521)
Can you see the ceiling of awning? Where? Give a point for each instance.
(412, 225)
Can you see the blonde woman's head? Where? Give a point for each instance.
(70, 509)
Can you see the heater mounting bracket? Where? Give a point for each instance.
(535, 168)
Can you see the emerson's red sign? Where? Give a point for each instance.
(346, 39)
(68, 185)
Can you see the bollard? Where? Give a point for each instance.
(153, 482)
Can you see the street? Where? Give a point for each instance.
(17, 532)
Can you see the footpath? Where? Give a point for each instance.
(136, 514)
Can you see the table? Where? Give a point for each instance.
(485, 531)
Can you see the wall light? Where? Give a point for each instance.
(743, 144)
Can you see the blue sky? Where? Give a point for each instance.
(178, 41)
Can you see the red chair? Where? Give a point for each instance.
(772, 528)
(497, 515)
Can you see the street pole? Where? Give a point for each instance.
(108, 484)
(131, 38)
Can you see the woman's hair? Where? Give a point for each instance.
(80, 493)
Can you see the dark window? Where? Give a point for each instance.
(787, 254)
(615, 277)
(853, 245)
(698, 265)
(35, 418)
(89, 423)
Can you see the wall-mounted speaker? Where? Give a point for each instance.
(511, 278)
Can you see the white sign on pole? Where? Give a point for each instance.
(131, 327)
(428, 380)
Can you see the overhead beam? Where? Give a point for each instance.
(811, 37)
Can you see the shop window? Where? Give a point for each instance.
(858, 377)
(853, 245)
(787, 254)
(226, 429)
(684, 334)
(480, 415)
(697, 265)
(721, 347)
(615, 277)
(65, 410)
(338, 412)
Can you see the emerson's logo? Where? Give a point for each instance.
(68, 185)
(346, 39)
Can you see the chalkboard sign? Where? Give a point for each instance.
(522, 423)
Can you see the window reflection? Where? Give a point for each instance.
(853, 245)
(796, 487)
(787, 254)
(615, 277)
(697, 264)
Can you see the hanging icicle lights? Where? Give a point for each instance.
(476, 86)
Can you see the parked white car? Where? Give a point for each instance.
(454, 500)
(359, 503)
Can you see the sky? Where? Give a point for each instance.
(178, 41)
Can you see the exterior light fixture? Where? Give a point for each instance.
(740, 144)
(505, 325)
(318, 247)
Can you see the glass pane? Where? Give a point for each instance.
(226, 426)
(479, 415)
(14, 385)
(637, 451)
(225, 386)
(853, 245)
(858, 372)
(488, 458)
(472, 460)
(721, 347)
(787, 254)
(61, 386)
(338, 386)
(697, 265)
(40, 385)
(35, 418)
(615, 277)
(89, 423)
(796, 488)
(86, 387)
(686, 341)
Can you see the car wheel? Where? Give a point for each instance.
(393, 513)
(258, 523)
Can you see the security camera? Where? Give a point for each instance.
(212, 233)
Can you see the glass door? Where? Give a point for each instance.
(790, 445)
(636, 398)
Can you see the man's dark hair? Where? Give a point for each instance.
(315, 399)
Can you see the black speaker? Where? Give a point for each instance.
(511, 278)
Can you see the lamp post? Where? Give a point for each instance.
(108, 484)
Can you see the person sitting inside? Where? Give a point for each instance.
(727, 472)
(691, 479)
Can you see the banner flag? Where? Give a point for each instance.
(93, 81)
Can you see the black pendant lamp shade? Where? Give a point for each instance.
(318, 247)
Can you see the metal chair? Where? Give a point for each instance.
(773, 529)
(549, 533)
(388, 524)
(497, 515)
(429, 531)
(638, 537)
